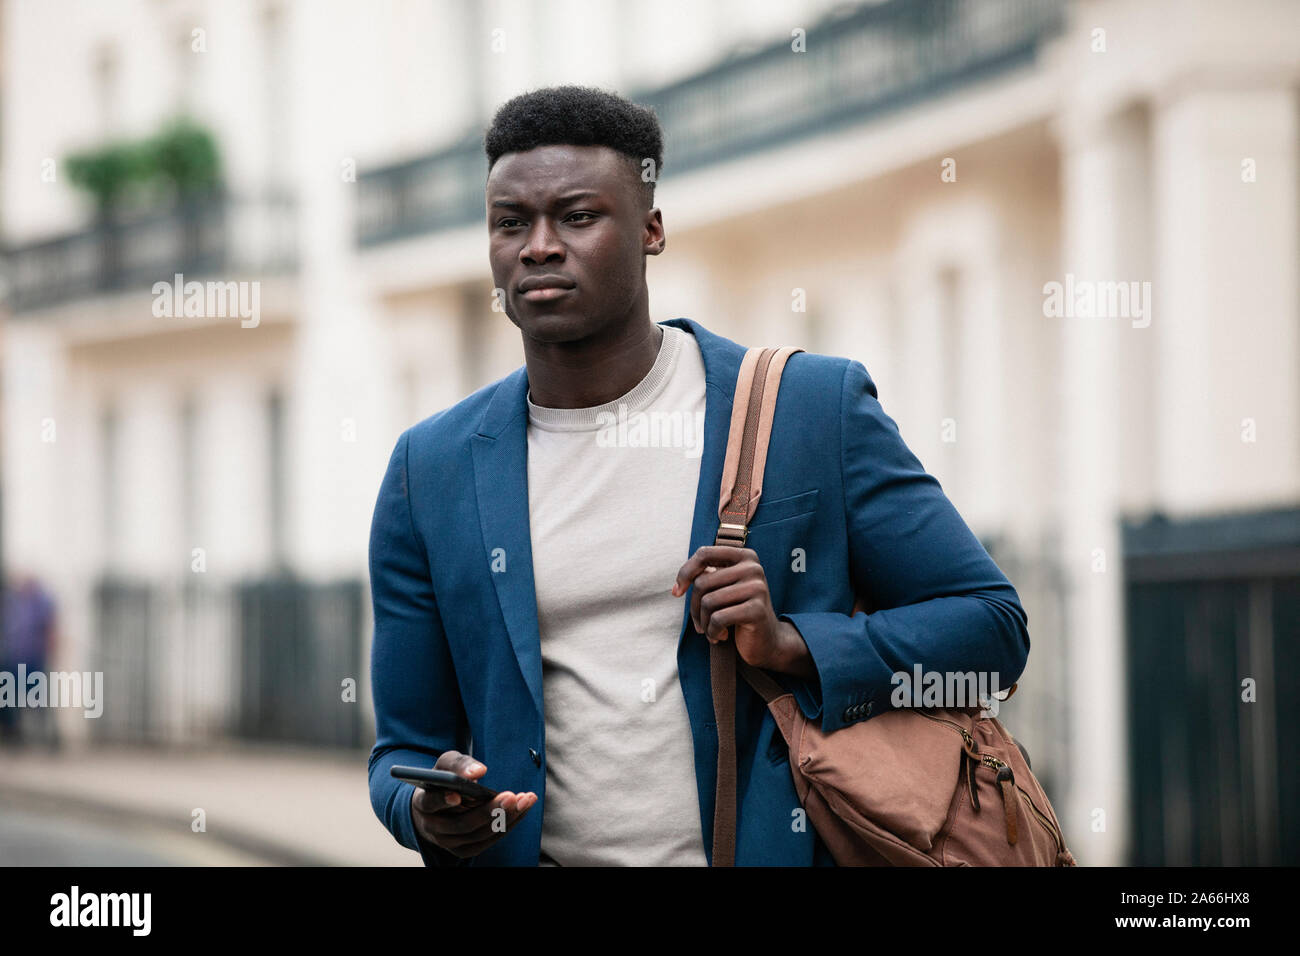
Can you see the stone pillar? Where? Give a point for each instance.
(917, 404)
(981, 323)
(1225, 170)
(1105, 239)
(338, 387)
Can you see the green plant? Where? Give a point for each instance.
(181, 156)
(185, 155)
(106, 171)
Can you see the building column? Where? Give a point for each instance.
(982, 319)
(1225, 170)
(1105, 239)
(918, 405)
(337, 385)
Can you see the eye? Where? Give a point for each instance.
(502, 223)
(589, 215)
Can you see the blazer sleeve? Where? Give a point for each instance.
(418, 710)
(935, 596)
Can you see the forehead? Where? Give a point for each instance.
(548, 171)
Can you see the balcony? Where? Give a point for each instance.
(218, 235)
(868, 62)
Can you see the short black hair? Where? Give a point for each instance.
(578, 116)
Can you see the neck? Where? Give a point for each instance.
(592, 371)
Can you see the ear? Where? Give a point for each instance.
(655, 238)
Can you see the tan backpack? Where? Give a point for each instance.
(910, 787)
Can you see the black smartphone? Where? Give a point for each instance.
(444, 780)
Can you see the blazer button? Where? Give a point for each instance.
(867, 712)
(537, 758)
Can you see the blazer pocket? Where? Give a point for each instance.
(779, 509)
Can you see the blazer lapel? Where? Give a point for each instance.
(722, 359)
(500, 451)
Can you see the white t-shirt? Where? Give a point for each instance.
(611, 496)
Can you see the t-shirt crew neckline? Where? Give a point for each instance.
(598, 416)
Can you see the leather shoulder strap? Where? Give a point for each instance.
(742, 485)
(752, 411)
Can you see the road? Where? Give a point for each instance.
(31, 835)
(257, 804)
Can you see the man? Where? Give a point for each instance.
(541, 558)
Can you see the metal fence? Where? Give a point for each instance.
(1213, 613)
(298, 644)
(216, 234)
(264, 659)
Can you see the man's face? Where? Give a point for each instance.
(574, 214)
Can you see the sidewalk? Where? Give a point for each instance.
(280, 805)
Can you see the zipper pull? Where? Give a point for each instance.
(969, 765)
(1007, 781)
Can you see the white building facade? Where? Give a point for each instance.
(903, 189)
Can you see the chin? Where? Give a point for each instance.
(558, 326)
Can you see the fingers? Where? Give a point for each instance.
(716, 555)
(506, 806)
(446, 820)
(724, 619)
(460, 764)
(728, 586)
(434, 801)
(470, 831)
(715, 589)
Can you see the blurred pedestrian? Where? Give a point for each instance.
(28, 640)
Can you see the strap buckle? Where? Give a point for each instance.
(735, 534)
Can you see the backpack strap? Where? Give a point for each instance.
(752, 411)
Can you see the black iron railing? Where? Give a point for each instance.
(1213, 614)
(203, 237)
(264, 659)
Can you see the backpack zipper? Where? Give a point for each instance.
(970, 754)
(1006, 778)
(965, 734)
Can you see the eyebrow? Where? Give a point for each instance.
(559, 200)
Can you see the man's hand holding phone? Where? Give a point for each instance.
(460, 825)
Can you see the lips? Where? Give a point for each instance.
(545, 282)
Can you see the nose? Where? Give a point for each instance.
(542, 244)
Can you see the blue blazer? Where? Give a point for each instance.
(456, 660)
